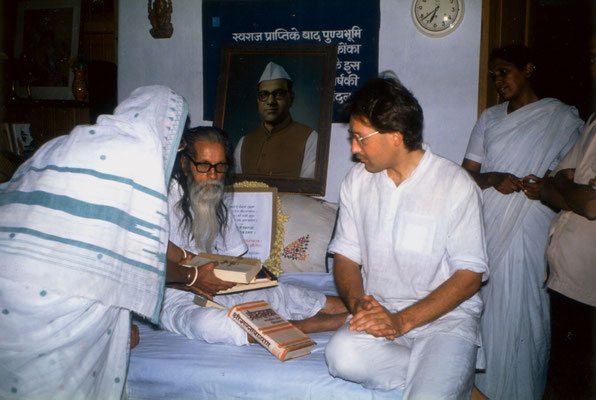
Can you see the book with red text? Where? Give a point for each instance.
(271, 330)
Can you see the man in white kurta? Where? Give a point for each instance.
(209, 146)
(409, 256)
(181, 315)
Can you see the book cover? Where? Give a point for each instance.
(230, 269)
(272, 331)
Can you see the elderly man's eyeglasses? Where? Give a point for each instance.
(205, 167)
(358, 138)
(278, 94)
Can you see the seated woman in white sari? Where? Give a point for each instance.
(512, 147)
(83, 238)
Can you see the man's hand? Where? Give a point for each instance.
(532, 185)
(579, 198)
(505, 183)
(207, 283)
(357, 304)
(374, 319)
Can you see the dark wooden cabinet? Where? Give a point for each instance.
(97, 44)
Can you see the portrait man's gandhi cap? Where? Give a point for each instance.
(274, 71)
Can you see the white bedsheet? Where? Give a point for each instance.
(167, 365)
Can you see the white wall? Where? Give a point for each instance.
(442, 73)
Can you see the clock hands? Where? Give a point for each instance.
(434, 15)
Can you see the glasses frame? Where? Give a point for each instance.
(211, 166)
(360, 139)
(276, 95)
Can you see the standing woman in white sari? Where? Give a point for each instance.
(512, 147)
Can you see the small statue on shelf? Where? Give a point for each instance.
(160, 14)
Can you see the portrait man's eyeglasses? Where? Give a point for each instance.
(204, 167)
(278, 94)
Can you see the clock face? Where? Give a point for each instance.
(437, 18)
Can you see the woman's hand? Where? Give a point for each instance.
(205, 283)
(532, 185)
(504, 182)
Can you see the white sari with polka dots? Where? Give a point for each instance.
(83, 237)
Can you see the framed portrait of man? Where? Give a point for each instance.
(276, 103)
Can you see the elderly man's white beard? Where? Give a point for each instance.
(204, 200)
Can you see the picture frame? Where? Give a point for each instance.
(255, 212)
(6, 138)
(312, 68)
(22, 139)
(47, 39)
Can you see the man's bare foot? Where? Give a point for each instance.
(477, 394)
(134, 336)
(329, 318)
(334, 305)
(321, 322)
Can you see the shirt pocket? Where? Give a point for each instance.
(414, 235)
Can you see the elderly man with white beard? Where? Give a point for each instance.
(200, 222)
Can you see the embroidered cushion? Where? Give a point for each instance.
(307, 232)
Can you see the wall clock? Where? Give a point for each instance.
(437, 18)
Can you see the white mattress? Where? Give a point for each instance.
(167, 365)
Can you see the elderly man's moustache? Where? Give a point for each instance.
(215, 184)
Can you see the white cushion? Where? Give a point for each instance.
(307, 232)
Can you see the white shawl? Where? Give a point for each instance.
(87, 214)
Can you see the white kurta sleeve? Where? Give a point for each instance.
(345, 240)
(466, 247)
(475, 150)
(238, 156)
(310, 156)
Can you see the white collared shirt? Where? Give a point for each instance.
(411, 238)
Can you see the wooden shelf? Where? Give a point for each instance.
(48, 118)
(47, 103)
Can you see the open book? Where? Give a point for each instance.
(268, 328)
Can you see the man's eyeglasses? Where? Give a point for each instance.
(205, 167)
(358, 138)
(278, 94)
